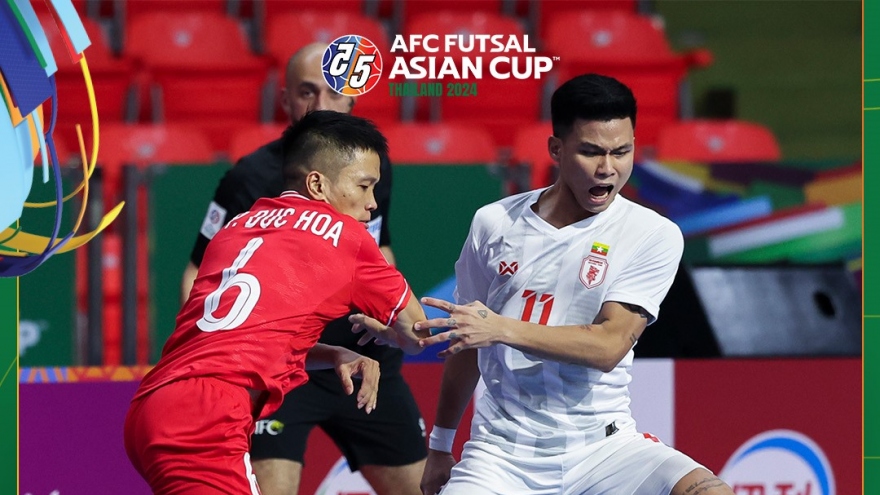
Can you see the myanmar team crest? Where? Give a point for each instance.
(593, 270)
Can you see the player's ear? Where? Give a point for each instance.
(351, 102)
(315, 186)
(554, 146)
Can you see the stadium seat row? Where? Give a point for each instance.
(697, 141)
(197, 68)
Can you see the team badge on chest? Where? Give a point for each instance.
(593, 270)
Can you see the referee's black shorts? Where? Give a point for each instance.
(392, 435)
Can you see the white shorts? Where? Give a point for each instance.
(626, 463)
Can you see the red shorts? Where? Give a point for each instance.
(193, 436)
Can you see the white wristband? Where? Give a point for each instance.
(441, 439)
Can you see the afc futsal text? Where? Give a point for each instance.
(460, 57)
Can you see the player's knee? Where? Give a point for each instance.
(277, 476)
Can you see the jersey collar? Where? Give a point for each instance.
(293, 194)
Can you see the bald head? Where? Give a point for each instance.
(305, 88)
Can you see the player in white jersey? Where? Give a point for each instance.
(554, 288)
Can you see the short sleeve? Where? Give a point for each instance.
(471, 280)
(378, 289)
(649, 275)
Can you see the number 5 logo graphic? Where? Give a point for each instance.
(249, 293)
(352, 65)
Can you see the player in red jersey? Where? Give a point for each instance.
(270, 281)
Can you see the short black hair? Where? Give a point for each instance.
(325, 141)
(590, 97)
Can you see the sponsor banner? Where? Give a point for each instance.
(71, 439)
(767, 427)
(651, 392)
(773, 427)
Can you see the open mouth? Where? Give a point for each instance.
(600, 193)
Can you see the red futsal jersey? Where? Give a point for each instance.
(270, 281)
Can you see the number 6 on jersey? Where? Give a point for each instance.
(248, 295)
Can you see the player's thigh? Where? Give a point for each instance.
(178, 455)
(394, 480)
(701, 481)
(485, 469)
(278, 476)
(283, 434)
(392, 435)
(628, 462)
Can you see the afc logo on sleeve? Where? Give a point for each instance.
(214, 220)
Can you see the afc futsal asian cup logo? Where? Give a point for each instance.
(432, 65)
(352, 65)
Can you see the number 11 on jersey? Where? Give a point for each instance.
(532, 297)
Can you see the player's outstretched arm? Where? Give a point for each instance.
(348, 364)
(601, 345)
(401, 334)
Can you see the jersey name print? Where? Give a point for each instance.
(319, 224)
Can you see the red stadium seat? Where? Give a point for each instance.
(631, 48)
(286, 33)
(111, 79)
(530, 149)
(439, 143)
(540, 11)
(711, 141)
(406, 11)
(500, 106)
(272, 8)
(203, 69)
(131, 9)
(145, 144)
(247, 140)
(446, 22)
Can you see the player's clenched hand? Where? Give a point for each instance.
(348, 364)
(468, 326)
(438, 467)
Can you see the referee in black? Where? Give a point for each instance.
(388, 445)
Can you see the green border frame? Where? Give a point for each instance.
(9, 385)
(870, 307)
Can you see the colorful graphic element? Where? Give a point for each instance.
(352, 65)
(27, 81)
(779, 461)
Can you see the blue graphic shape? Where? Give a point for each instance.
(25, 77)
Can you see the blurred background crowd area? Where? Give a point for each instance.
(748, 137)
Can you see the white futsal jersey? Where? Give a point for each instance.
(522, 267)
